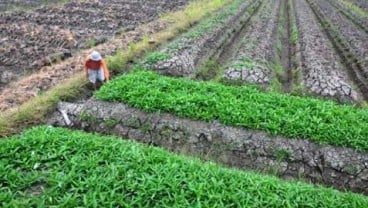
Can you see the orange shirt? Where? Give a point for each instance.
(95, 65)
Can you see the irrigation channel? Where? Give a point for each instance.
(283, 45)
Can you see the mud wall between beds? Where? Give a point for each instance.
(341, 168)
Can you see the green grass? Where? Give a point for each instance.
(116, 62)
(295, 117)
(54, 167)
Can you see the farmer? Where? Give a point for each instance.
(95, 69)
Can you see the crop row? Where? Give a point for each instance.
(48, 166)
(255, 56)
(354, 35)
(322, 69)
(355, 64)
(183, 56)
(358, 18)
(292, 117)
(360, 3)
(9, 5)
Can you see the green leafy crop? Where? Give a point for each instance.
(54, 167)
(155, 57)
(321, 121)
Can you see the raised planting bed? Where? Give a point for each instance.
(35, 38)
(322, 69)
(360, 3)
(294, 117)
(341, 168)
(358, 17)
(356, 37)
(255, 59)
(56, 167)
(183, 56)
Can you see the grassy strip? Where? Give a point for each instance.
(13, 120)
(48, 166)
(33, 111)
(293, 117)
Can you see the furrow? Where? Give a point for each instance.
(322, 69)
(348, 41)
(255, 58)
(185, 55)
(358, 20)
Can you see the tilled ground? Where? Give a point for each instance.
(32, 39)
(188, 52)
(358, 18)
(257, 48)
(322, 70)
(361, 3)
(6, 5)
(354, 36)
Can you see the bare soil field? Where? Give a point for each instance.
(6, 5)
(35, 38)
(287, 46)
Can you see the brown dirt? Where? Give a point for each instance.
(20, 91)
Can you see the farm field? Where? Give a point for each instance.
(32, 39)
(48, 166)
(276, 86)
(11, 5)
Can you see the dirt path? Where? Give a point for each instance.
(359, 20)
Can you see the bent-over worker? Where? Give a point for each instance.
(96, 69)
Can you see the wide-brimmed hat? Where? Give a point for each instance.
(95, 56)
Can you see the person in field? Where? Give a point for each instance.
(96, 69)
